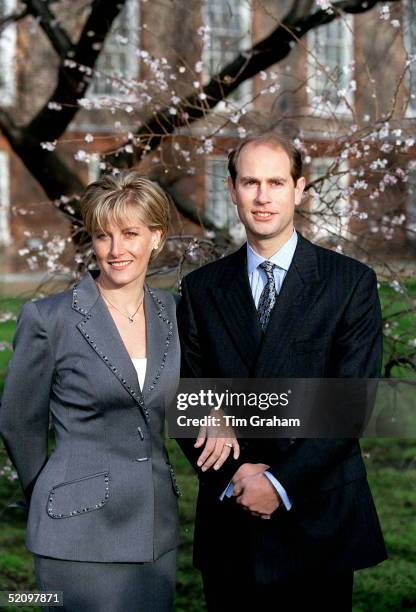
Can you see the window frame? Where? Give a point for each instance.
(243, 95)
(410, 48)
(230, 217)
(315, 57)
(326, 231)
(8, 40)
(5, 233)
(132, 20)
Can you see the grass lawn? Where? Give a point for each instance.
(391, 466)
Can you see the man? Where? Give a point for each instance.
(281, 307)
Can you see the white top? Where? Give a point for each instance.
(140, 367)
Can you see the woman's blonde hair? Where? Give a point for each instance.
(112, 197)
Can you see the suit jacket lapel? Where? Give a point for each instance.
(99, 330)
(234, 300)
(159, 331)
(295, 298)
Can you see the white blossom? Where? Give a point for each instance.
(235, 117)
(85, 103)
(385, 12)
(82, 155)
(123, 40)
(324, 4)
(360, 185)
(54, 106)
(49, 146)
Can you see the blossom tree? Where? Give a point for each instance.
(180, 111)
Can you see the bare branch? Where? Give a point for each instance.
(264, 54)
(58, 38)
(72, 84)
(52, 173)
(300, 8)
(187, 208)
(7, 126)
(12, 18)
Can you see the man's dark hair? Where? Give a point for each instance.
(277, 140)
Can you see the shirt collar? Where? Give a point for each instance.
(282, 258)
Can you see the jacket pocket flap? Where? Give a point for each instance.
(79, 496)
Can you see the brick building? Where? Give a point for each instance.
(339, 78)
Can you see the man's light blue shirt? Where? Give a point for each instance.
(257, 279)
(282, 259)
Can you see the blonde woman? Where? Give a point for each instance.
(103, 361)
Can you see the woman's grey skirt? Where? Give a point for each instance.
(109, 587)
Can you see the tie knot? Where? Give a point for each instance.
(268, 267)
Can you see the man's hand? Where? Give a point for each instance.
(249, 469)
(254, 491)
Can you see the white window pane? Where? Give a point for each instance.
(411, 200)
(118, 59)
(5, 237)
(410, 44)
(330, 55)
(328, 205)
(229, 23)
(219, 208)
(7, 55)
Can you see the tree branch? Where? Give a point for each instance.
(264, 54)
(52, 173)
(187, 208)
(57, 36)
(48, 124)
(12, 18)
(7, 126)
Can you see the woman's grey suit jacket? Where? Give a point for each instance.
(107, 492)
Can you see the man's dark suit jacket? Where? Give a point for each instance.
(326, 323)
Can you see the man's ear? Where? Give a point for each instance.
(299, 187)
(231, 189)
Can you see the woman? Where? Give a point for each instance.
(103, 360)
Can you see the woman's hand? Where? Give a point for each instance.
(219, 442)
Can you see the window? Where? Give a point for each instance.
(220, 209)
(5, 238)
(94, 170)
(411, 201)
(7, 54)
(229, 23)
(327, 204)
(410, 44)
(118, 59)
(330, 82)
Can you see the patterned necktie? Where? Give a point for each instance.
(268, 295)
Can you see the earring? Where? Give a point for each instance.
(155, 247)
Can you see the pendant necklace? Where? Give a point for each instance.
(126, 316)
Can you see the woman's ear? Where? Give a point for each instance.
(157, 236)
